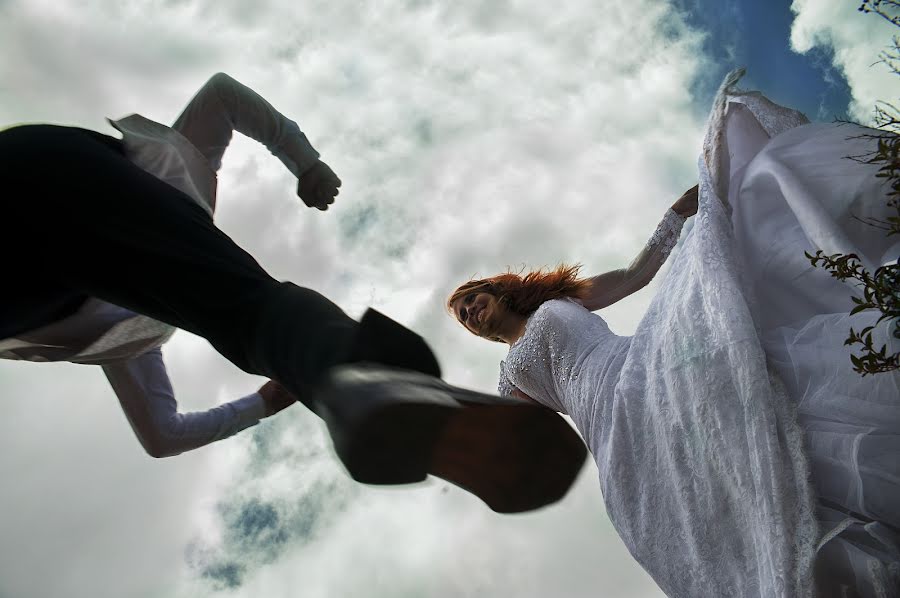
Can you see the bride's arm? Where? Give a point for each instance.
(613, 286)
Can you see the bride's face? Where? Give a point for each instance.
(480, 313)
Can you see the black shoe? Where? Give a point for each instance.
(393, 426)
(380, 339)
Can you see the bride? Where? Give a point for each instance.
(739, 453)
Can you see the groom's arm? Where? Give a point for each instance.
(145, 393)
(223, 105)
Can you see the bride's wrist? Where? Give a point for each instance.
(678, 213)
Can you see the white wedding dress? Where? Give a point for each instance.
(739, 453)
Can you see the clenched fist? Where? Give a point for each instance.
(318, 186)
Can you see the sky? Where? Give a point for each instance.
(472, 137)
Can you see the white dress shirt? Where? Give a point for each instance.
(126, 344)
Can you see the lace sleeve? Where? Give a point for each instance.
(505, 388)
(618, 284)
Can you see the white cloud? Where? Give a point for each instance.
(471, 136)
(857, 41)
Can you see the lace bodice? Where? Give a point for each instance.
(566, 350)
(568, 359)
(543, 362)
(563, 360)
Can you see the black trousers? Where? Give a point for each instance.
(79, 219)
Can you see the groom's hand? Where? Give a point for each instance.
(275, 397)
(318, 186)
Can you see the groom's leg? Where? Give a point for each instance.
(96, 222)
(87, 218)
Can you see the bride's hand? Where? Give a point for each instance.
(686, 205)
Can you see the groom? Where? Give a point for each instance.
(130, 222)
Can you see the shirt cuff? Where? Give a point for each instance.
(249, 410)
(295, 151)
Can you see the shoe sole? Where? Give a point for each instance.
(396, 427)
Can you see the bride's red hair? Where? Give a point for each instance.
(524, 294)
